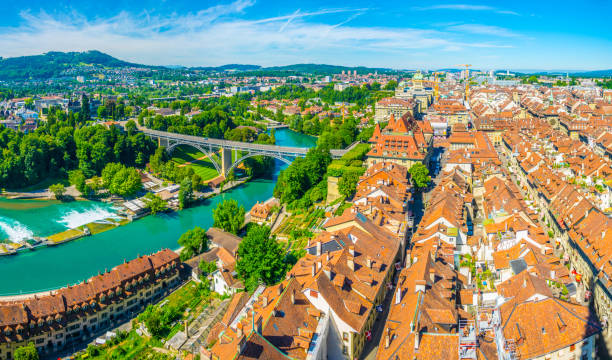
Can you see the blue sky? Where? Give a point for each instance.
(535, 34)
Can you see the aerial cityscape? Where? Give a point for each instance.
(313, 180)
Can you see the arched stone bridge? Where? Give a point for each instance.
(210, 146)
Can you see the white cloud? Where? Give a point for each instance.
(217, 35)
(466, 7)
(483, 30)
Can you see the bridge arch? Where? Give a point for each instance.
(208, 154)
(252, 154)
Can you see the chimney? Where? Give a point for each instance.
(352, 250)
(398, 295)
(350, 262)
(314, 269)
(387, 341)
(327, 256)
(264, 301)
(318, 248)
(369, 262)
(293, 297)
(187, 329)
(319, 265)
(417, 340)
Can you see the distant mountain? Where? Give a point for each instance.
(228, 67)
(53, 63)
(324, 68)
(594, 73)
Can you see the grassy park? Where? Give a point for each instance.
(197, 161)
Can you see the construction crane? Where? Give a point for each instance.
(467, 79)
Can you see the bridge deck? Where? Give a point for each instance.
(236, 145)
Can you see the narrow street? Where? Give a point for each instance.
(416, 208)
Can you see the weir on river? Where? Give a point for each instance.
(53, 267)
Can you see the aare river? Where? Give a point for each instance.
(53, 267)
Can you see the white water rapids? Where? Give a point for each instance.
(14, 230)
(76, 218)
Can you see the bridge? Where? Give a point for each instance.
(210, 146)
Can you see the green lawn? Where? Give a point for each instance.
(204, 168)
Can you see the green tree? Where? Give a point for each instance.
(207, 267)
(27, 352)
(102, 112)
(229, 216)
(533, 79)
(348, 184)
(185, 195)
(155, 204)
(121, 180)
(194, 242)
(419, 174)
(130, 127)
(261, 259)
(85, 112)
(391, 85)
(58, 190)
(77, 178)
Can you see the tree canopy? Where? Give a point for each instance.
(419, 174)
(27, 352)
(155, 204)
(302, 174)
(58, 190)
(194, 242)
(185, 195)
(229, 216)
(121, 180)
(261, 259)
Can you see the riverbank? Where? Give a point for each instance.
(41, 194)
(99, 226)
(52, 267)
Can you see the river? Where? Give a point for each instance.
(53, 267)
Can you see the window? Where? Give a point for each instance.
(572, 347)
(40, 341)
(345, 336)
(58, 336)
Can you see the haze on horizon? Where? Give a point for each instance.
(543, 35)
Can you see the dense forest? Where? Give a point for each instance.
(63, 144)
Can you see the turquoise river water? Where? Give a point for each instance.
(53, 267)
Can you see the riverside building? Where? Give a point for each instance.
(77, 313)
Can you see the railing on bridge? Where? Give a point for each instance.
(210, 145)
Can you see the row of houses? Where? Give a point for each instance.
(481, 280)
(328, 303)
(52, 321)
(570, 185)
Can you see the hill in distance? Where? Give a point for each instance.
(52, 64)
